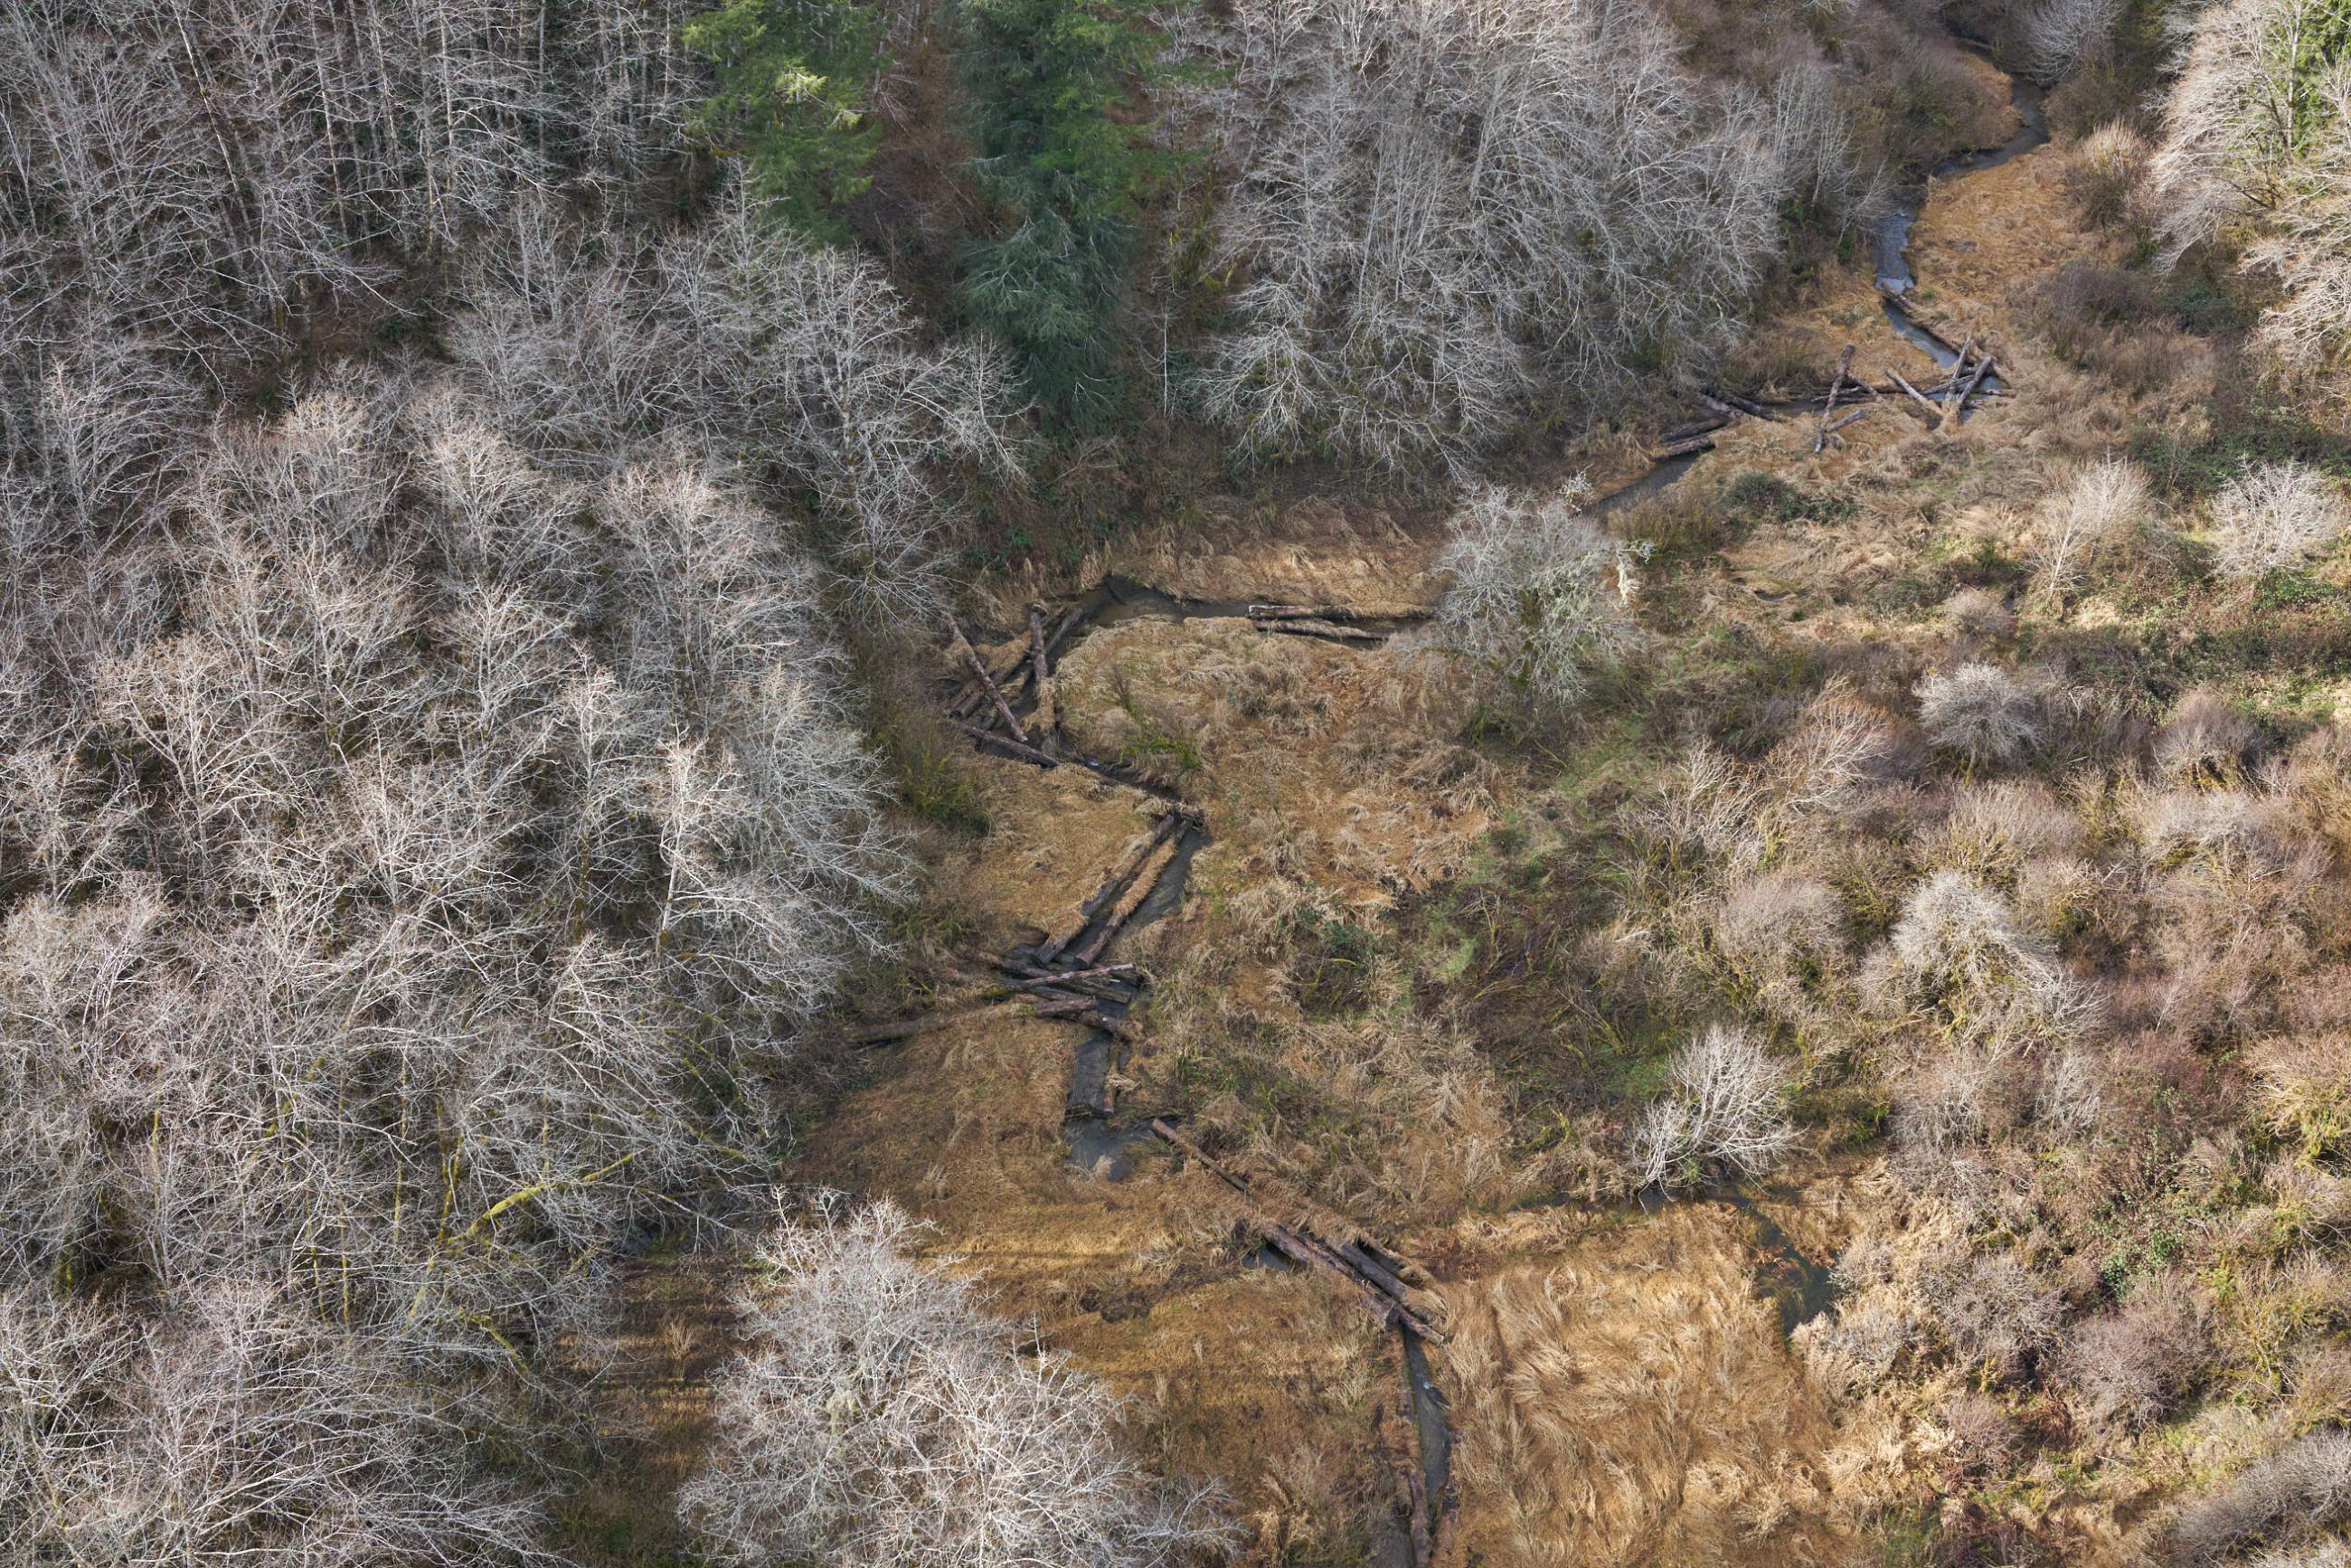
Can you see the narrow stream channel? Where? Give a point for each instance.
(1890, 235)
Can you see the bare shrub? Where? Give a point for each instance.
(2226, 825)
(1443, 211)
(2275, 518)
(1840, 747)
(2206, 740)
(2303, 1490)
(2303, 1093)
(1811, 142)
(2235, 937)
(2100, 510)
(1981, 712)
(1534, 600)
(1854, 1349)
(1983, 1438)
(2061, 895)
(882, 1418)
(1949, 1101)
(1996, 1313)
(2333, 1554)
(2107, 173)
(1978, 614)
(1726, 1106)
(1957, 934)
(2129, 1368)
(2071, 1096)
(1706, 802)
(1992, 831)
(1770, 926)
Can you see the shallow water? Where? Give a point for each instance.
(1429, 1415)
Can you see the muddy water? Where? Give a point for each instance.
(1429, 1416)
(1801, 1286)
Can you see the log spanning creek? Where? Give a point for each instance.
(1966, 374)
(1075, 973)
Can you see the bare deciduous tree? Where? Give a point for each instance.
(1727, 1106)
(2098, 512)
(2058, 34)
(748, 347)
(2275, 518)
(1443, 211)
(231, 1429)
(881, 1417)
(467, 922)
(1535, 596)
(2234, 118)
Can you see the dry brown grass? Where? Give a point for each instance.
(1625, 1397)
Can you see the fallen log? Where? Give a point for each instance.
(1068, 624)
(1078, 1010)
(1118, 1029)
(1340, 613)
(1072, 977)
(1115, 882)
(1744, 405)
(1037, 646)
(1305, 1251)
(974, 696)
(1845, 421)
(1697, 428)
(1080, 981)
(995, 692)
(1327, 631)
(1983, 367)
(1371, 1269)
(1960, 365)
(1393, 1306)
(921, 1023)
(1674, 449)
(1837, 385)
(1006, 745)
(1934, 414)
(1139, 889)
